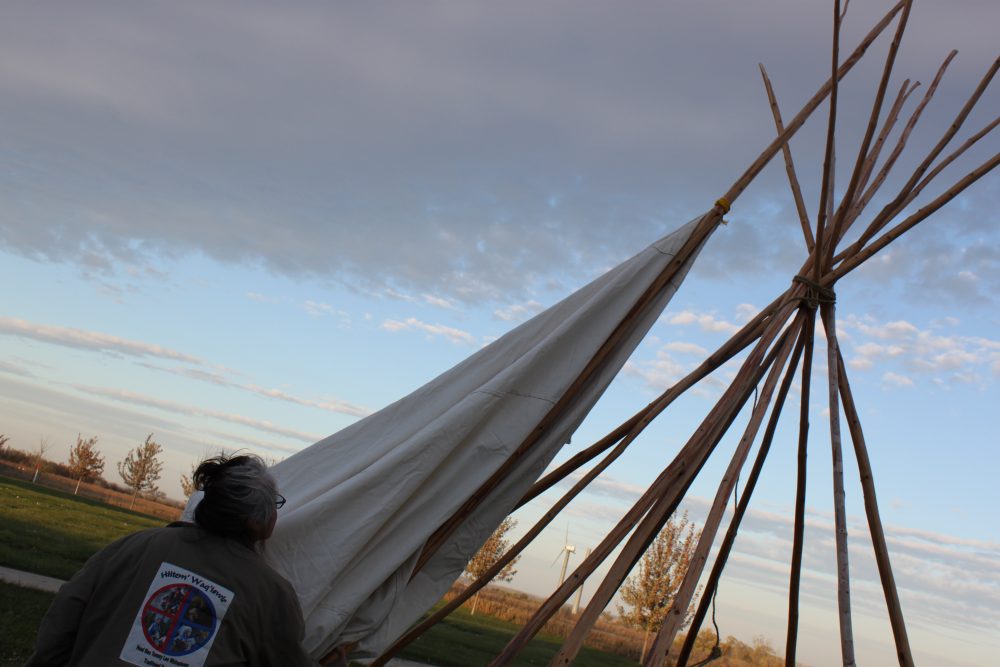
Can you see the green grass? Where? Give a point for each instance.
(53, 533)
(462, 640)
(21, 609)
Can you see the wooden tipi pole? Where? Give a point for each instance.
(798, 535)
(677, 614)
(856, 207)
(741, 507)
(786, 152)
(747, 334)
(913, 185)
(890, 60)
(631, 428)
(655, 504)
(705, 227)
(903, 653)
(828, 314)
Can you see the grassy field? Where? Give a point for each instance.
(462, 640)
(20, 611)
(53, 533)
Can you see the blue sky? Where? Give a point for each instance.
(248, 225)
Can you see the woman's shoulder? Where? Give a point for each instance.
(135, 539)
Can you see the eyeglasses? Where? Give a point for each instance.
(280, 501)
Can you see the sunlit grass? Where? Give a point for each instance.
(53, 533)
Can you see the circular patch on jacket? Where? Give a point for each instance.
(178, 619)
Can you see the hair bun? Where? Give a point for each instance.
(208, 471)
(239, 497)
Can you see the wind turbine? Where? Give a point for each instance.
(565, 553)
(579, 591)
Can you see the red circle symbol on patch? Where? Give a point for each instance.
(178, 619)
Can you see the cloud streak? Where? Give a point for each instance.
(91, 341)
(134, 398)
(450, 334)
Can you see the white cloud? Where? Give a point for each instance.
(519, 311)
(968, 276)
(106, 343)
(90, 340)
(316, 308)
(705, 321)
(174, 407)
(330, 405)
(746, 312)
(910, 350)
(449, 333)
(254, 296)
(954, 359)
(686, 348)
(242, 441)
(659, 373)
(390, 293)
(438, 301)
(861, 363)
(394, 325)
(896, 380)
(319, 309)
(605, 485)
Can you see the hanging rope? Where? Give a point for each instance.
(716, 651)
(714, 655)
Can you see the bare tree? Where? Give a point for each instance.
(3, 440)
(650, 591)
(492, 550)
(39, 456)
(85, 462)
(141, 467)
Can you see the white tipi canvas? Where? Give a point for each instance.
(362, 502)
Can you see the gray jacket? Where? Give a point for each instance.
(173, 597)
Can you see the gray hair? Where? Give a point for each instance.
(240, 497)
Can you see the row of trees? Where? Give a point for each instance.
(140, 469)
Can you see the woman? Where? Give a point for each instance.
(192, 595)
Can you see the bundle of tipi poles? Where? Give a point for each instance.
(780, 340)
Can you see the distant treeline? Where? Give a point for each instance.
(610, 635)
(29, 459)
